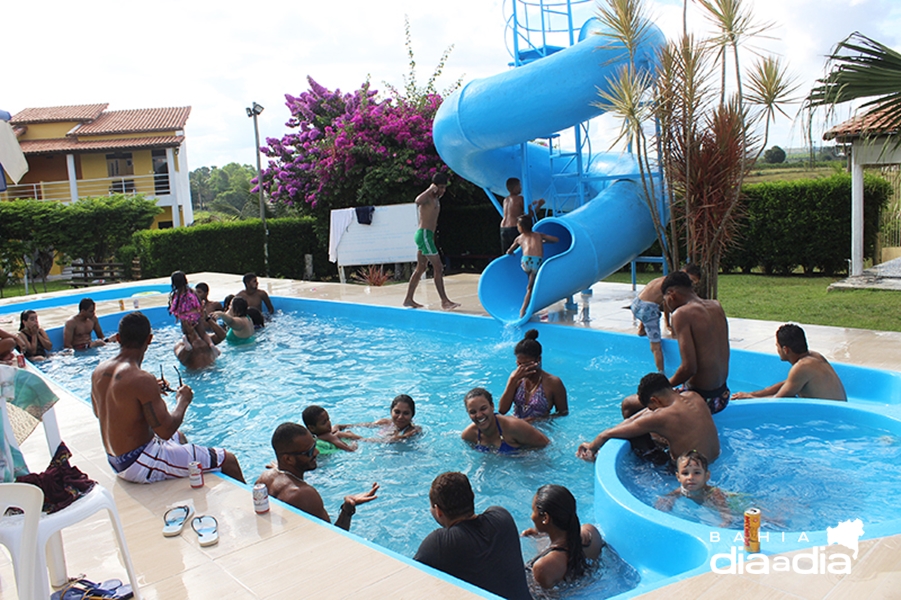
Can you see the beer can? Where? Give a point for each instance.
(20, 360)
(195, 474)
(752, 530)
(136, 304)
(260, 498)
(121, 304)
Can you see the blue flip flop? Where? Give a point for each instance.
(175, 519)
(207, 529)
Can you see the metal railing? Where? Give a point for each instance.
(890, 219)
(59, 191)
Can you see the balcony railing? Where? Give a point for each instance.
(58, 191)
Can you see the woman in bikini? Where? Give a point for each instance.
(491, 432)
(570, 545)
(531, 391)
(33, 341)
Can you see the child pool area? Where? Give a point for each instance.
(488, 363)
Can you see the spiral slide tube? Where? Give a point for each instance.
(480, 131)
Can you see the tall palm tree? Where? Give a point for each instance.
(860, 67)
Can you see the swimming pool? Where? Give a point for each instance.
(353, 359)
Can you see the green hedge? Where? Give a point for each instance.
(804, 223)
(232, 247)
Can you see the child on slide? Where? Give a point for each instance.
(532, 253)
(185, 306)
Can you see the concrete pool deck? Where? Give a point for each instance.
(286, 555)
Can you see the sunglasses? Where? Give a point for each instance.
(165, 386)
(308, 453)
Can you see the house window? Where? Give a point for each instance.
(160, 172)
(119, 164)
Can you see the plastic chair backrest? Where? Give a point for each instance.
(30, 499)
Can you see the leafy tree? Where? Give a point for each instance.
(226, 190)
(774, 156)
(93, 229)
(200, 187)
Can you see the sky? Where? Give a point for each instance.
(220, 57)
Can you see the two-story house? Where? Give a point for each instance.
(88, 151)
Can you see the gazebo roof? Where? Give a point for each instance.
(872, 124)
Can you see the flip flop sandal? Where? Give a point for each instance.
(207, 529)
(175, 518)
(83, 589)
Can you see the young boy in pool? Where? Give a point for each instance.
(327, 437)
(532, 253)
(693, 475)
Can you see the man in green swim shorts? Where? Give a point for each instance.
(427, 251)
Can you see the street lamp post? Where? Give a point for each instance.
(254, 112)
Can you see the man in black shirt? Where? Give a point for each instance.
(481, 549)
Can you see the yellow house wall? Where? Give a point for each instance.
(166, 215)
(93, 166)
(48, 131)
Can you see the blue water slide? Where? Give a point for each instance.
(482, 132)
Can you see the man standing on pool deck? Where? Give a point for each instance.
(255, 297)
(483, 549)
(427, 251)
(295, 453)
(77, 330)
(646, 308)
(810, 376)
(682, 419)
(138, 431)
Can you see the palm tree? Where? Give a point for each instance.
(860, 67)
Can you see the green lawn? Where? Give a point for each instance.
(19, 290)
(801, 300)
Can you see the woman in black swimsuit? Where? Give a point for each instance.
(571, 544)
(33, 341)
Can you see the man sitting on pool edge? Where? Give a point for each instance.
(140, 435)
(682, 419)
(295, 454)
(810, 376)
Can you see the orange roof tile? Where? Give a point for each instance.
(32, 147)
(873, 123)
(136, 120)
(52, 114)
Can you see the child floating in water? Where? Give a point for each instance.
(328, 438)
(693, 475)
(532, 253)
(400, 425)
(185, 306)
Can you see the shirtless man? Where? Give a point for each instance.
(810, 376)
(255, 297)
(295, 452)
(681, 419)
(240, 327)
(647, 306)
(197, 355)
(427, 251)
(139, 433)
(202, 290)
(514, 207)
(78, 329)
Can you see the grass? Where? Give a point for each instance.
(800, 300)
(12, 291)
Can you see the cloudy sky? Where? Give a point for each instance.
(219, 57)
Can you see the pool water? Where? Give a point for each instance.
(803, 476)
(354, 372)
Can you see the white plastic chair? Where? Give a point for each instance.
(49, 542)
(30, 499)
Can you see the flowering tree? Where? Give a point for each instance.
(352, 149)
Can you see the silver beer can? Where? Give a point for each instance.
(195, 474)
(260, 498)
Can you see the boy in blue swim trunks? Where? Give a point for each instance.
(427, 251)
(531, 243)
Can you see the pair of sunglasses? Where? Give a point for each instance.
(308, 453)
(166, 387)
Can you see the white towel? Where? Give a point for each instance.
(11, 156)
(338, 224)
